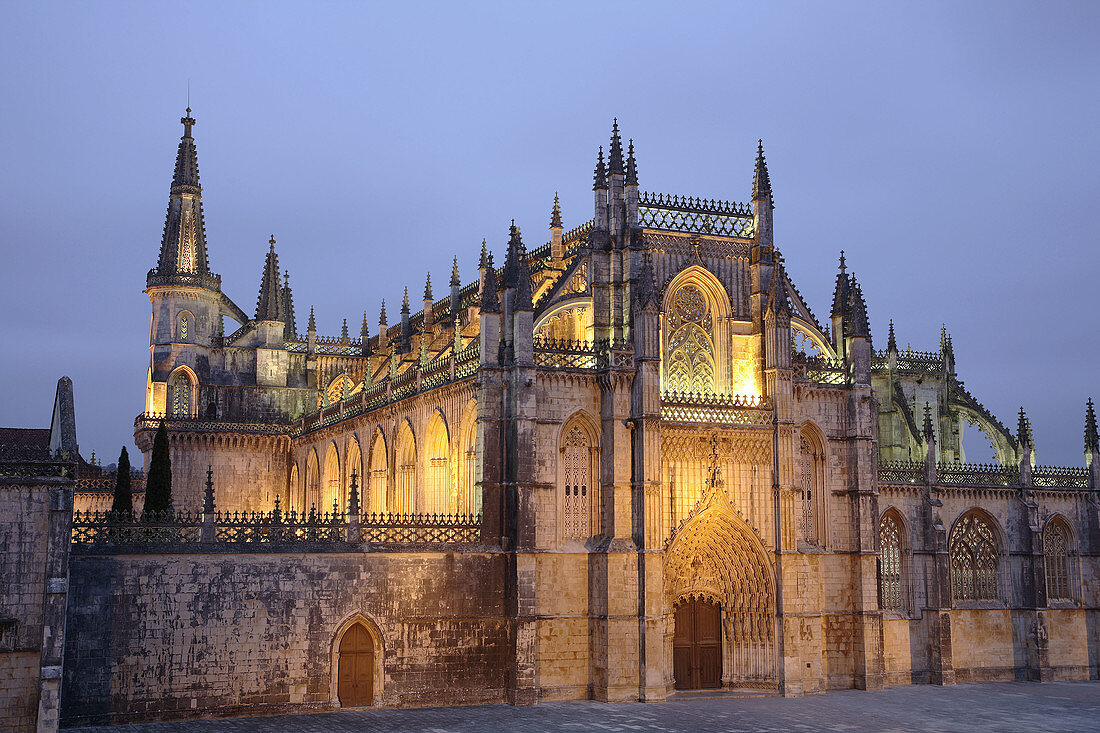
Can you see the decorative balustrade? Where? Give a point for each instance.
(1060, 477)
(577, 234)
(977, 474)
(819, 369)
(106, 483)
(566, 354)
(909, 360)
(151, 421)
(19, 461)
(194, 279)
(901, 472)
(274, 528)
(715, 409)
(702, 216)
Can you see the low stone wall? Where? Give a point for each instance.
(172, 635)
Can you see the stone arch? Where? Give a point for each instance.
(1059, 559)
(893, 561)
(353, 462)
(375, 635)
(570, 320)
(975, 546)
(578, 477)
(469, 497)
(182, 396)
(405, 473)
(695, 313)
(185, 327)
(439, 489)
(331, 486)
(292, 488)
(716, 556)
(810, 512)
(375, 497)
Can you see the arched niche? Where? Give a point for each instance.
(578, 478)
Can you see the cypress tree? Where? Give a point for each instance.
(158, 486)
(123, 504)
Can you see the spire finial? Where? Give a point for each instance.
(188, 122)
(631, 165)
(312, 325)
(455, 278)
(891, 343)
(600, 176)
(1092, 436)
(555, 215)
(382, 316)
(615, 154)
(272, 242)
(481, 264)
(761, 182)
(1023, 428)
(929, 433)
(428, 287)
(843, 267)
(405, 301)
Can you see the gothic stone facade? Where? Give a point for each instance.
(628, 461)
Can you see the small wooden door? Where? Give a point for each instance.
(697, 646)
(355, 677)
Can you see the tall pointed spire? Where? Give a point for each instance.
(861, 326)
(290, 332)
(555, 215)
(484, 256)
(1092, 437)
(490, 301)
(1023, 429)
(891, 343)
(615, 154)
(364, 330)
(269, 304)
(515, 259)
(183, 243)
(840, 293)
(761, 182)
(312, 326)
(428, 287)
(600, 175)
(456, 279)
(344, 337)
(382, 315)
(405, 302)
(631, 165)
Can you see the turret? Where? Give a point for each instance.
(557, 247)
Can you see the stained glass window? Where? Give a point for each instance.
(807, 528)
(889, 578)
(185, 326)
(691, 363)
(1056, 553)
(577, 463)
(179, 392)
(973, 550)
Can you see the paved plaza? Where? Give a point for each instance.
(1009, 706)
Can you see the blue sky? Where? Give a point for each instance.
(950, 149)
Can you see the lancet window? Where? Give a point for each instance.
(184, 329)
(691, 362)
(405, 494)
(376, 498)
(181, 396)
(1056, 544)
(468, 501)
(890, 560)
(312, 482)
(353, 462)
(333, 495)
(974, 559)
(292, 491)
(439, 489)
(811, 480)
(577, 471)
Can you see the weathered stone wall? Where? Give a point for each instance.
(178, 635)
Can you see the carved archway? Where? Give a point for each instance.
(358, 639)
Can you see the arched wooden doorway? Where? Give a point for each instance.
(697, 645)
(355, 678)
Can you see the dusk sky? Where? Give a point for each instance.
(950, 149)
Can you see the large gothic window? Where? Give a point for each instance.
(405, 494)
(181, 394)
(577, 470)
(1056, 544)
(974, 559)
(379, 465)
(438, 490)
(811, 481)
(333, 495)
(185, 327)
(313, 478)
(468, 499)
(890, 559)
(691, 364)
(353, 463)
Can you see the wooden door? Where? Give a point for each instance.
(355, 677)
(697, 646)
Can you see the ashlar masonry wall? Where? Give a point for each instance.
(174, 635)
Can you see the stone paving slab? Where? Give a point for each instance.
(1009, 706)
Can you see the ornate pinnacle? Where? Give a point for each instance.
(943, 339)
(382, 315)
(490, 302)
(600, 176)
(861, 326)
(482, 263)
(208, 494)
(405, 302)
(364, 330)
(353, 494)
(1092, 437)
(761, 182)
(428, 287)
(455, 279)
(840, 293)
(312, 326)
(631, 166)
(843, 267)
(1023, 429)
(929, 433)
(555, 216)
(269, 304)
(647, 286)
(891, 343)
(188, 122)
(344, 331)
(615, 154)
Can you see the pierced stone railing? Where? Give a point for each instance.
(819, 369)
(702, 216)
(20, 461)
(151, 421)
(1060, 477)
(696, 408)
(274, 528)
(901, 472)
(566, 354)
(977, 474)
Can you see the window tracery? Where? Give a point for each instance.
(577, 480)
(810, 486)
(889, 577)
(1056, 555)
(180, 394)
(974, 552)
(184, 326)
(691, 363)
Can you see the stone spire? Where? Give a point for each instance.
(615, 155)
(600, 175)
(861, 326)
(646, 290)
(405, 302)
(428, 287)
(183, 244)
(929, 432)
(631, 166)
(364, 338)
(312, 327)
(483, 262)
(555, 214)
(1092, 437)
(514, 259)
(1023, 429)
(840, 293)
(269, 304)
(406, 329)
(456, 279)
(891, 343)
(290, 331)
(777, 293)
(344, 337)
(382, 322)
(761, 182)
(490, 302)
